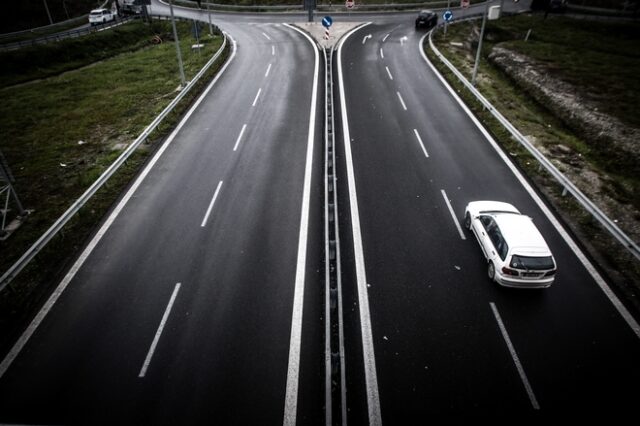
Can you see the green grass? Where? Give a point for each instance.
(105, 104)
(601, 57)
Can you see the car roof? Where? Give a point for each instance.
(426, 12)
(97, 10)
(521, 234)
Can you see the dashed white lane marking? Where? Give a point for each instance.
(516, 360)
(401, 101)
(255, 100)
(152, 349)
(266, 74)
(415, 131)
(266, 36)
(381, 53)
(235, 147)
(389, 74)
(453, 215)
(385, 38)
(213, 200)
(273, 51)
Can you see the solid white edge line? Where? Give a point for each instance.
(420, 141)
(24, 338)
(156, 338)
(213, 200)
(293, 370)
(371, 378)
(622, 310)
(255, 100)
(244, 127)
(389, 73)
(401, 101)
(516, 360)
(266, 74)
(453, 214)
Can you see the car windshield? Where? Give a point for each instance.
(532, 263)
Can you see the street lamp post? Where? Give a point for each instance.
(183, 80)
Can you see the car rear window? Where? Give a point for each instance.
(532, 263)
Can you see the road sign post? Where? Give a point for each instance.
(327, 21)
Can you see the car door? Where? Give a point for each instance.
(487, 226)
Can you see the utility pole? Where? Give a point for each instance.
(183, 81)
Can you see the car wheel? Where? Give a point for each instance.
(467, 221)
(491, 271)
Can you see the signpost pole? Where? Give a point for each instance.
(183, 80)
(475, 66)
(446, 23)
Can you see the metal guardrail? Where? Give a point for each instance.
(319, 7)
(80, 202)
(66, 34)
(568, 186)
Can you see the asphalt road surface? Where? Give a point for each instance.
(202, 302)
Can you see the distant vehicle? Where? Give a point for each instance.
(132, 6)
(516, 253)
(101, 16)
(426, 19)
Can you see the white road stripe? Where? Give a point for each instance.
(268, 38)
(401, 101)
(152, 349)
(213, 200)
(33, 326)
(389, 73)
(266, 74)
(235, 147)
(295, 343)
(516, 360)
(255, 101)
(385, 38)
(420, 141)
(273, 51)
(381, 53)
(599, 280)
(453, 215)
(371, 377)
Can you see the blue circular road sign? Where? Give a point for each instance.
(327, 21)
(447, 16)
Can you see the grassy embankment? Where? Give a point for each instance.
(68, 110)
(599, 59)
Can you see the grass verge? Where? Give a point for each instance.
(63, 131)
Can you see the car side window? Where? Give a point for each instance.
(498, 241)
(486, 221)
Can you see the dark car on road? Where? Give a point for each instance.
(426, 19)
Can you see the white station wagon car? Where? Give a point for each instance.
(516, 252)
(100, 16)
